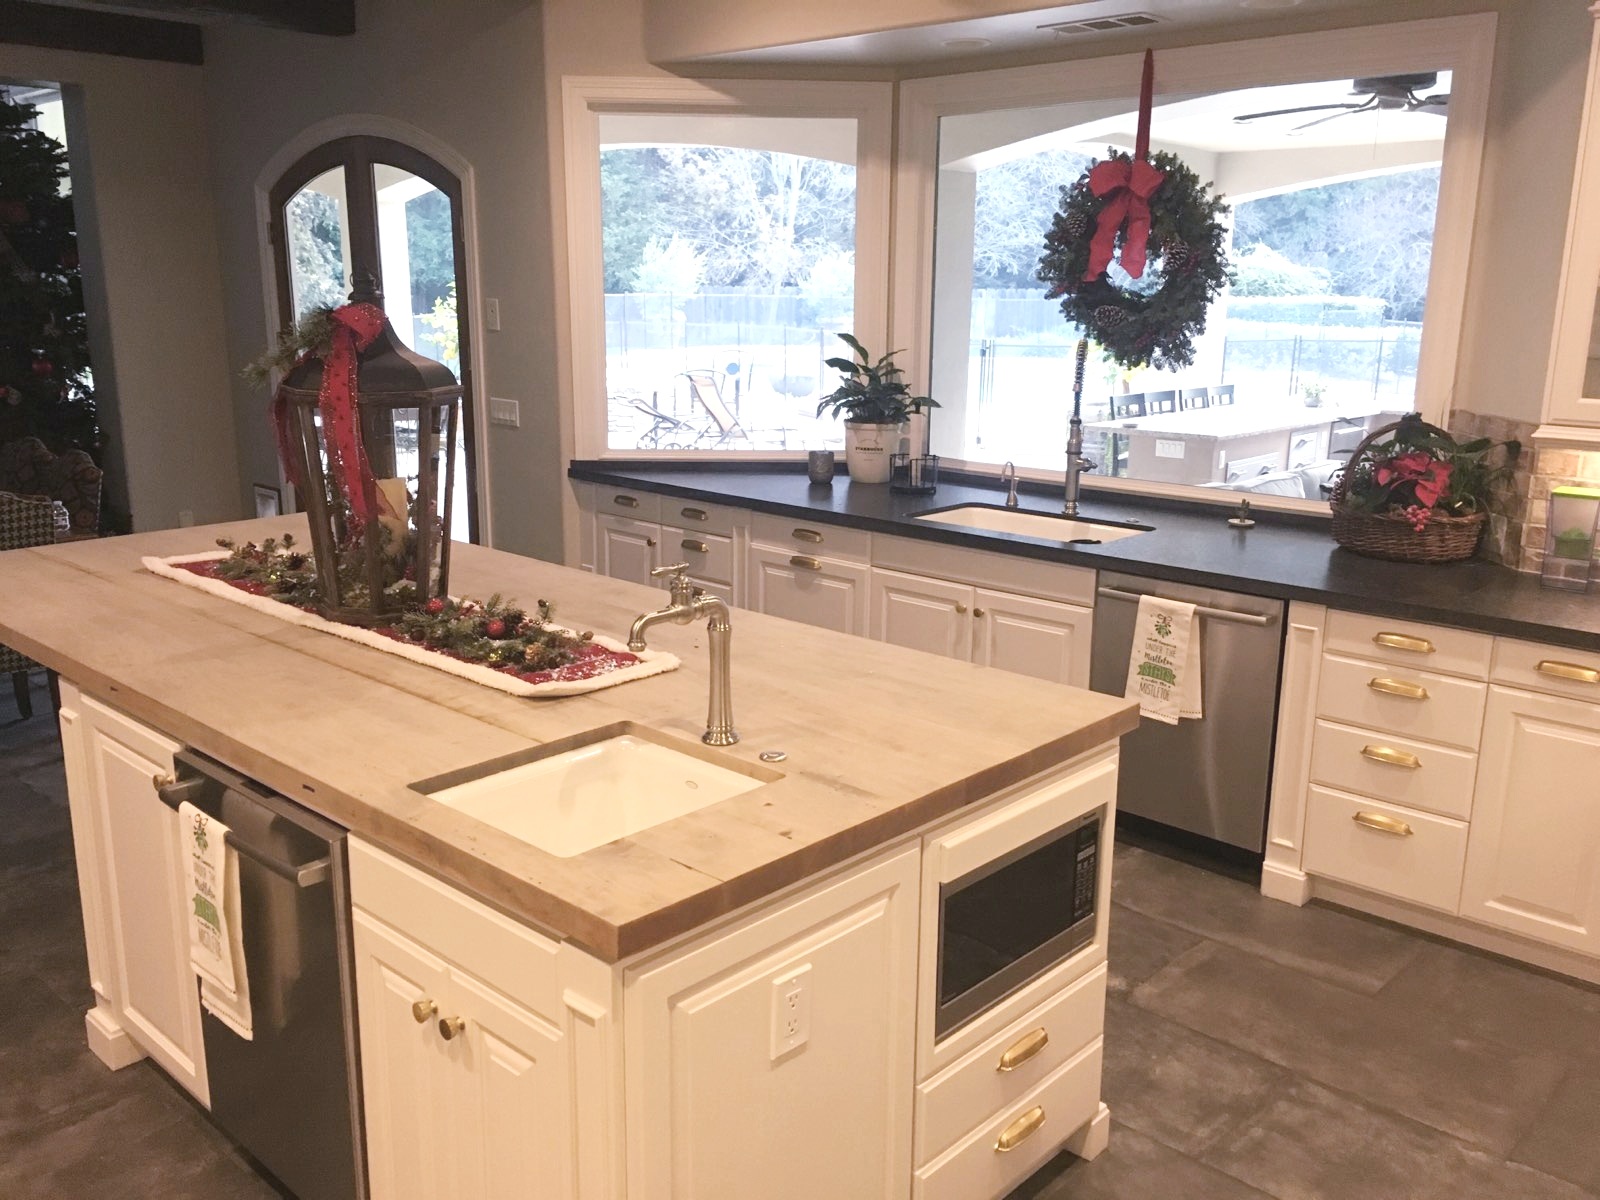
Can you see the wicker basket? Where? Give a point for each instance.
(1389, 535)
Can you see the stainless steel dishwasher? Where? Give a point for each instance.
(1208, 777)
(290, 1094)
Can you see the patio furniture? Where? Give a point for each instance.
(1130, 405)
(680, 433)
(1222, 393)
(1160, 402)
(706, 390)
(24, 521)
(1194, 398)
(27, 468)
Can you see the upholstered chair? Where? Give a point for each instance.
(24, 521)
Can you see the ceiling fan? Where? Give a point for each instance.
(1385, 92)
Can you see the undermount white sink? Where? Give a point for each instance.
(574, 800)
(1030, 524)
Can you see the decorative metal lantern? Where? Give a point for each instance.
(368, 423)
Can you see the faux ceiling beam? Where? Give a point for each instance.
(305, 16)
(58, 28)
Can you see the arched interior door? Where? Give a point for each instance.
(371, 204)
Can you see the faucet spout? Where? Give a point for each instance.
(689, 603)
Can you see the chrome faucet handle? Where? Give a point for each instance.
(677, 578)
(1008, 476)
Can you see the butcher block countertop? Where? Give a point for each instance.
(880, 740)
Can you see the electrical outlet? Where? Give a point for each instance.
(491, 315)
(791, 1012)
(505, 412)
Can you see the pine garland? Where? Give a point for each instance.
(312, 334)
(1155, 321)
(494, 633)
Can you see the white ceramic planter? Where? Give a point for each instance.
(867, 449)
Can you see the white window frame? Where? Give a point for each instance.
(585, 98)
(1462, 45)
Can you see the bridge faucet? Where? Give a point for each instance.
(688, 602)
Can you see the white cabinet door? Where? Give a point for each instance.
(1042, 638)
(921, 613)
(145, 981)
(719, 1108)
(626, 548)
(1533, 853)
(404, 1075)
(815, 590)
(511, 1113)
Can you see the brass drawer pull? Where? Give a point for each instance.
(695, 514)
(805, 562)
(625, 501)
(807, 535)
(1382, 823)
(1391, 757)
(1400, 641)
(1025, 1047)
(1398, 687)
(1572, 671)
(695, 545)
(1020, 1130)
(422, 1010)
(451, 1028)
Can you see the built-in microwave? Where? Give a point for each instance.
(1008, 921)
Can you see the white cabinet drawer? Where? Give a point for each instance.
(504, 953)
(995, 1075)
(1403, 701)
(1399, 770)
(627, 502)
(977, 1167)
(1397, 851)
(1553, 669)
(801, 536)
(698, 517)
(1410, 644)
(827, 592)
(709, 555)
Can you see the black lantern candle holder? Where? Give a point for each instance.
(408, 408)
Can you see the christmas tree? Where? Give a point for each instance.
(45, 385)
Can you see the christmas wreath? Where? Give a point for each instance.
(1154, 318)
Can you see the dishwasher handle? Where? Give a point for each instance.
(174, 792)
(1211, 614)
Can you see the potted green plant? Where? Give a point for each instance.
(875, 403)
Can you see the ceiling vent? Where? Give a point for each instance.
(1133, 20)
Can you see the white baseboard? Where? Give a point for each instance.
(1285, 883)
(109, 1041)
(1094, 1137)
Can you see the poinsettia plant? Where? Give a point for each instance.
(1422, 472)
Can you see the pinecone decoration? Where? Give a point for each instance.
(1109, 316)
(1077, 224)
(1176, 254)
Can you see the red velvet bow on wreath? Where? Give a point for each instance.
(354, 328)
(1126, 185)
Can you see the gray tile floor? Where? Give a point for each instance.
(1252, 1050)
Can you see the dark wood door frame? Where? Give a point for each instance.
(358, 155)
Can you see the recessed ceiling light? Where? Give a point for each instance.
(969, 43)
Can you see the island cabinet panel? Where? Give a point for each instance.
(1533, 856)
(131, 876)
(626, 547)
(827, 592)
(719, 1106)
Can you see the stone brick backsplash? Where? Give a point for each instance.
(1554, 468)
(1512, 510)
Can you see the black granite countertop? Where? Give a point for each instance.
(1285, 556)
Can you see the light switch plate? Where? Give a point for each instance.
(491, 315)
(1169, 448)
(505, 412)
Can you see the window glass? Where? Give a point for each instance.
(729, 260)
(1334, 189)
(316, 221)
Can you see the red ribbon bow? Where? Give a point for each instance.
(1129, 183)
(355, 327)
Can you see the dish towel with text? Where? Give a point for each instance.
(216, 937)
(1164, 665)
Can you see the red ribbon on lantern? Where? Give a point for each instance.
(355, 327)
(1126, 185)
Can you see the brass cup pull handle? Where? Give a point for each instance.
(1020, 1130)
(1571, 671)
(1024, 1048)
(1401, 641)
(961, 610)
(807, 535)
(625, 501)
(451, 1028)
(422, 1010)
(1391, 757)
(695, 514)
(695, 546)
(1383, 823)
(805, 562)
(1398, 687)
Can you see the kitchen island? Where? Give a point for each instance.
(668, 941)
